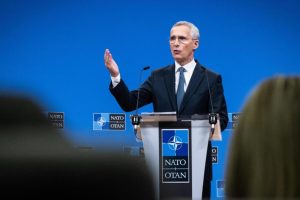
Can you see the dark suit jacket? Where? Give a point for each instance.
(159, 89)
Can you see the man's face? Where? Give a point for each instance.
(182, 45)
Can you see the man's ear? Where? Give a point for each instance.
(196, 44)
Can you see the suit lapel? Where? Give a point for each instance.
(169, 78)
(194, 84)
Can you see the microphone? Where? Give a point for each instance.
(136, 118)
(212, 117)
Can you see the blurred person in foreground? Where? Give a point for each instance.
(37, 161)
(264, 153)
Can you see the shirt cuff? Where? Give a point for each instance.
(115, 80)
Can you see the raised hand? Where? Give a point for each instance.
(110, 64)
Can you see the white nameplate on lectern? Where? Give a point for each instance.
(158, 116)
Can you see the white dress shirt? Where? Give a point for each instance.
(115, 80)
(187, 75)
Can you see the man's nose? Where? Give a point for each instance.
(176, 42)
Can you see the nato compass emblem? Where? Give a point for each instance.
(175, 143)
(100, 121)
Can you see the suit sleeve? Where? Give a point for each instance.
(219, 102)
(126, 99)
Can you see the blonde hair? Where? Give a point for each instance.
(264, 151)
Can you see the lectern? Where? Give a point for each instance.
(175, 151)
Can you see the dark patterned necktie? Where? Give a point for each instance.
(180, 89)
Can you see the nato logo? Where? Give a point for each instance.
(220, 188)
(175, 142)
(175, 155)
(214, 155)
(109, 121)
(56, 119)
(235, 117)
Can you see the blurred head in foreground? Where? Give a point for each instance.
(264, 153)
(36, 161)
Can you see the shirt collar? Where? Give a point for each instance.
(189, 66)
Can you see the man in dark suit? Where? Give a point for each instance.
(163, 84)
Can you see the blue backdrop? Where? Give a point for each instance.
(52, 50)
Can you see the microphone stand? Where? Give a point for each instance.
(212, 117)
(136, 118)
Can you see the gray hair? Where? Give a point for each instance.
(194, 30)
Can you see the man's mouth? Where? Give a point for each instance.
(176, 51)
